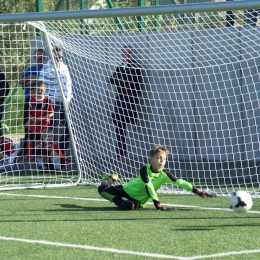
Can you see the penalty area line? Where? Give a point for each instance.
(102, 200)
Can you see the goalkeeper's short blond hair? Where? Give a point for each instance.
(157, 149)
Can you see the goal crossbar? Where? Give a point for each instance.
(132, 11)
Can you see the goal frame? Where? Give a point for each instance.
(131, 11)
(119, 12)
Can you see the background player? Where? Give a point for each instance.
(139, 191)
(40, 112)
(28, 79)
(24, 144)
(8, 154)
(49, 156)
(128, 80)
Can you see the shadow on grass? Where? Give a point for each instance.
(193, 229)
(164, 217)
(171, 214)
(132, 215)
(112, 207)
(85, 208)
(213, 227)
(73, 207)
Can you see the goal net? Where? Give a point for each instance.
(189, 82)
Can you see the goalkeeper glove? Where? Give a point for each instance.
(203, 194)
(159, 206)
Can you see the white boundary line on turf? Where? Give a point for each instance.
(113, 250)
(96, 199)
(199, 257)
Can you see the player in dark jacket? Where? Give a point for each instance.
(4, 91)
(139, 191)
(128, 80)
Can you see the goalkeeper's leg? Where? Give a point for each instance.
(116, 194)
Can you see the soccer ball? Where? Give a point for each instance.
(240, 201)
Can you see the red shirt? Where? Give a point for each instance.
(39, 109)
(6, 146)
(52, 146)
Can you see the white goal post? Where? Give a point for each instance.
(199, 93)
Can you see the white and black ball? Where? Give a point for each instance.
(240, 201)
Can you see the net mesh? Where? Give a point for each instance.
(198, 97)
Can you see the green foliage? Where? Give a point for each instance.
(14, 6)
(14, 48)
(13, 116)
(15, 53)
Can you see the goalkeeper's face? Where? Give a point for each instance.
(158, 161)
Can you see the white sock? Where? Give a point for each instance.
(56, 162)
(40, 162)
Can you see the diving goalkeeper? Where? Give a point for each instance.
(136, 193)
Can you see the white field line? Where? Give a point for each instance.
(113, 250)
(198, 257)
(128, 252)
(96, 199)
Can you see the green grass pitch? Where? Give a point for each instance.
(76, 223)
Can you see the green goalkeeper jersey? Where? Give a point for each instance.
(148, 182)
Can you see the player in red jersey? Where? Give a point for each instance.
(49, 156)
(40, 112)
(8, 154)
(31, 85)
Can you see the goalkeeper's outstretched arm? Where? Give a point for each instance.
(188, 186)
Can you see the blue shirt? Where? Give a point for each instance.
(34, 71)
(48, 76)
